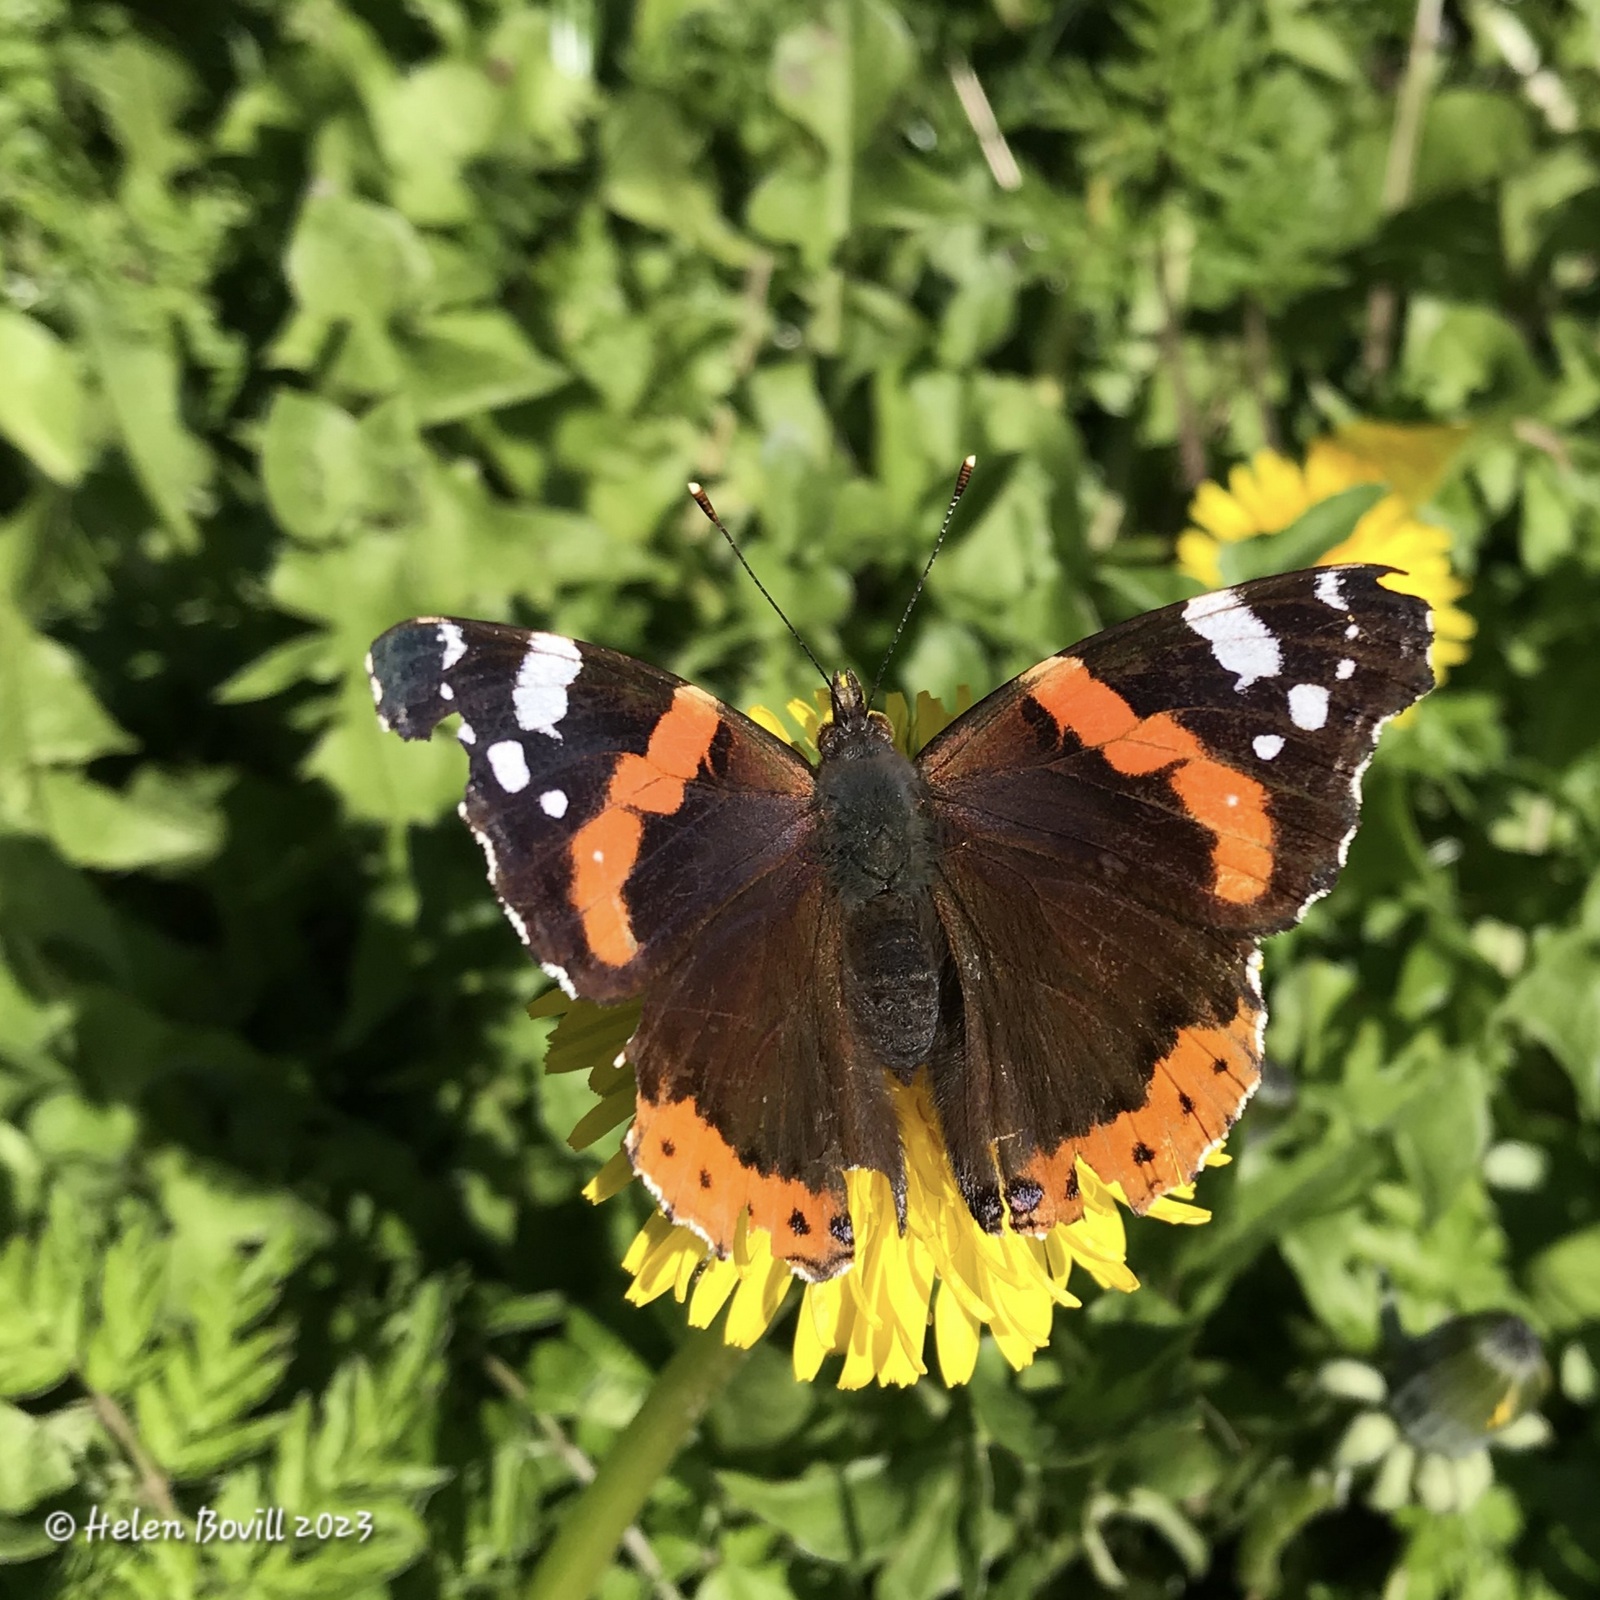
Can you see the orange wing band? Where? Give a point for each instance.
(699, 1181)
(605, 849)
(1229, 804)
(1195, 1095)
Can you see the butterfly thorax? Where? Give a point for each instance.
(877, 842)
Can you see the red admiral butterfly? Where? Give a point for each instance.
(1056, 907)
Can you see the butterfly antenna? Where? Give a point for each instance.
(703, 500)
(963, 478)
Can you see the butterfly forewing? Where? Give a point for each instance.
(617, 805)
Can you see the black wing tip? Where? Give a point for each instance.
(405, 668)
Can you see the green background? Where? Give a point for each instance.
(316, 315)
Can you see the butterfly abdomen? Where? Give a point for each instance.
(876, 837)
(893, 952)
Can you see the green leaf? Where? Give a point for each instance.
(34, 1464)
(1442, 1139)
(310, 658)
(159, 820)
(1556, 1003)
(143, 91)
(48, 714)
(737, 1582)
(1469, 137)
(841, 1515)
(1564, 1280)
(763, 1405)
(463, 362)
(352, 261)
(143, 380)
(926, 1560)
(42, 406)
(1317, 530)
(652, 176)
(1549, 533)
(1459, 355)
(430, 123)
(133, 1287)
(311, 465)
(1531, 200)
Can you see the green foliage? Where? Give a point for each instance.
(317, 315)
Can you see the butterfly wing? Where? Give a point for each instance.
(617, 805)
(645, 838)
(1123, 824)
(752, 1089)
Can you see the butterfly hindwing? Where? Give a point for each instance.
(752, 1090)
(1125, 822)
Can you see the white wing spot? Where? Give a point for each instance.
(1308, 706)
(551, 970)
(1231, 799)
(553, 802)
(1345, 669)
(539, 696)
(1267, 745)
(1239, 639)
(599, 857)
(446, 692)
(465, 734)
(1352, 632)
(1330, 591)
(455, 645)
(510, 765)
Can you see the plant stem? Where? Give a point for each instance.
(1258, 362)
(581, 1467)
(1401, 167)
(1191, 445)
(153, 1483)
(596, 1521)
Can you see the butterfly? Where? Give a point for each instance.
(1055, 910)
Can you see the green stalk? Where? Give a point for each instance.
(1400, 168)
(595, 1523)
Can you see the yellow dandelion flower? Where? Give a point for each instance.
(1270, 493)
(942, 1271)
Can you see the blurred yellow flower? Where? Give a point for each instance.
(944, 1270)
(1271, 492)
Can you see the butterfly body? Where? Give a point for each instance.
(876, 836)
(1054, 910)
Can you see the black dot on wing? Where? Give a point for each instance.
(842, 1231)
(1072, 1184)
(1023, 1195)
(1186, 1103)
(1219, 1065)
(705, 1179)
(798, 1223)
(1143, 1155)
(668, 1149)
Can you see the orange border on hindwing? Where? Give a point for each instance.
(699, 1181)
(1194, 1097)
